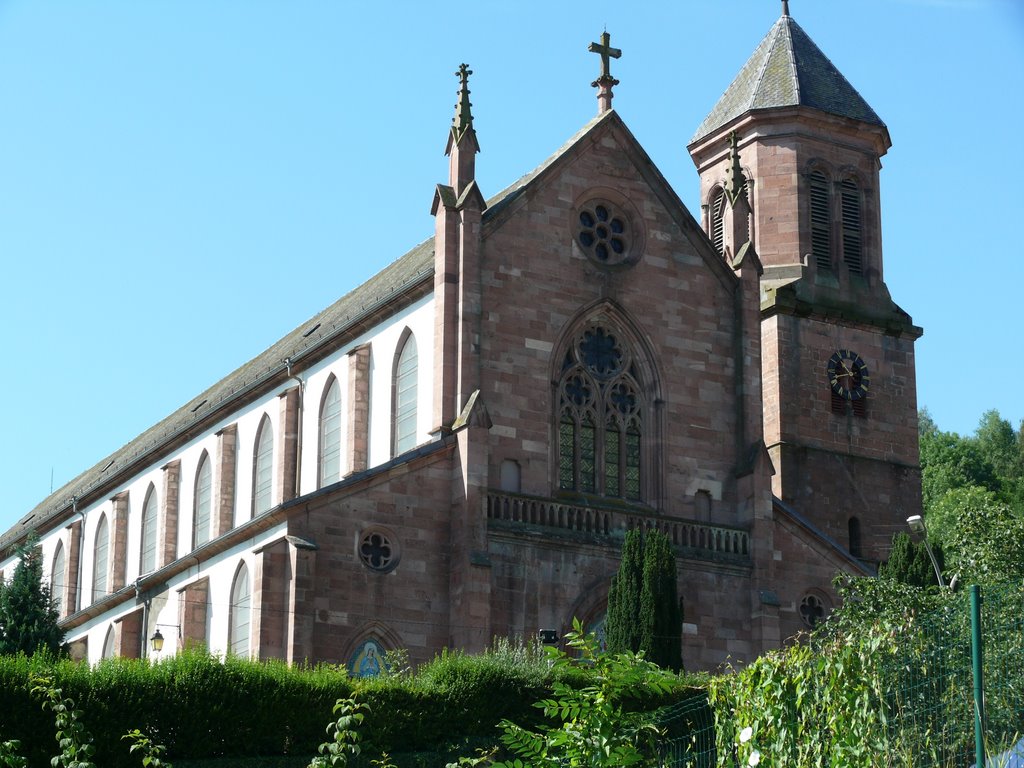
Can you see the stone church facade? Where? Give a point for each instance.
(454, 450)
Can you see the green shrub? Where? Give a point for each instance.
(203, 709)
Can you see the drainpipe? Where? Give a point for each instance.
(144, 648)
(298, 429)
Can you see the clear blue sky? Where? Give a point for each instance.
(182, 182)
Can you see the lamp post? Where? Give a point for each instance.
(916, 523)
(157, 640)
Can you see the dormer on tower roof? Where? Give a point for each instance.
(462, 143)
(787, 70)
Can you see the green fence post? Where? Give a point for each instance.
(979, 688)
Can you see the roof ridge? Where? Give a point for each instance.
(791, 50)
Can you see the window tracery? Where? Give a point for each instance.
(599, 418)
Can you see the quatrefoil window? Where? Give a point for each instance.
(377, 551)
(603, 233)
(812, 610)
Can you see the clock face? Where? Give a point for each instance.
(847, 375)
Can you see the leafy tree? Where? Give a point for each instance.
(1004, 450)
(987, 543)
(999, 445)
(28, 613)
(643, 603)
(588, 725)
(949, 461)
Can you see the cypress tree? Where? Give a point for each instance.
(660, 621)
(28, 615)
(909, 562)
(621, 622)
(643, 603)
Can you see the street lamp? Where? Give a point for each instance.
(157, 640)
(916, 523)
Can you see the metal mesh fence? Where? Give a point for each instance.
(688, 739)
(931, 688)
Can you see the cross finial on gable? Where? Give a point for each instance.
(605, 81)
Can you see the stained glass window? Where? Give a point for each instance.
(600, 422)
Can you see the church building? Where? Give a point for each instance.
(454, 450)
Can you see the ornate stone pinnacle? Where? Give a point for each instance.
(463, 119)
(735, 179)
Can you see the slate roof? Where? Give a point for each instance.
(320, 332)
(787, 70)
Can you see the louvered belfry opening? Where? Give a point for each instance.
(852, 251)
(821, 241)
(718, 220)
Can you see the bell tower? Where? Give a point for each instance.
(839, 387)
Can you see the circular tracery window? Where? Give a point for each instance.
(812, 610)
(603, 233)
(377, 551)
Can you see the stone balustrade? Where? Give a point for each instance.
(699, 539)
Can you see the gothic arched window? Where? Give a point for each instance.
(852, 253)
(330, 434)
(99, 560)
(821, 221)
(599, 417)
(147, 561)
(406, 368)
(203, 502)
(108, 644)
(57, 580)
(263, 469)
(241, 604)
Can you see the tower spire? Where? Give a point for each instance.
(605, 81)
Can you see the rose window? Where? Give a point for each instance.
(603, 233)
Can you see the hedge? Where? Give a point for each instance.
(205, 709)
